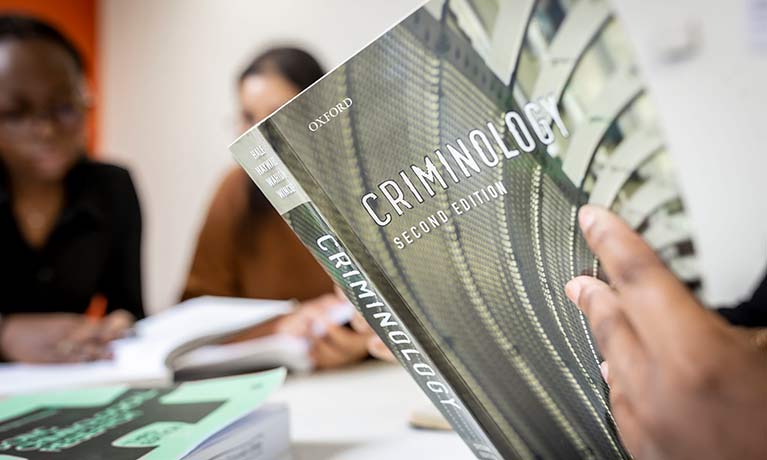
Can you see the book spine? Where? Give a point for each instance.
(265, 163)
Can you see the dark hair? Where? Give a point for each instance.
(298, 67)
(23, 28)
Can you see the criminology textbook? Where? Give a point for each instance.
(437, 176)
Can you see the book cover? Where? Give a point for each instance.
(119, 423)
(437, 176)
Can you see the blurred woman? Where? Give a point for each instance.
(70, 227)
(245, 249)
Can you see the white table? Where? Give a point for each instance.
(361, 413)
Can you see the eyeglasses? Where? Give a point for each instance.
(24, 121)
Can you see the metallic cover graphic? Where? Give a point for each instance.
(482, 291)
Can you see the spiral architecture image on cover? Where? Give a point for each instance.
(437, 176)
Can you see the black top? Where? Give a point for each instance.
(752, 313)
(94, 248)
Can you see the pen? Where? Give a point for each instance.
(97, 309)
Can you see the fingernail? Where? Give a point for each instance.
(605, 370)
(573, 290)
(586, 217)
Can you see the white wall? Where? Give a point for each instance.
(711, 100)
(169, 112)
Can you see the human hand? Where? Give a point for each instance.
(758, 337)
(89, 341)
(59, 337)
(310, 316)
(300, 322)
(338, 346)
(683, 384)
(332, 345)
(374, 343)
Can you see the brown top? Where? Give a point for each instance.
(244, 255)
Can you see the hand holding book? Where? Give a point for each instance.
(669, 357)
(443, 198)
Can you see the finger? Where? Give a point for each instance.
(604, 369)
(92, 352)
(296, 324)
(344, 338)
(76, 352)
(324, 355)
(379, 350)
(621, 408)
(626, 258)
(64, 351)
(315, 316)
(759, 338)
(115, 325)
(634, 270)
(360, 325)
(320, 305)
(615, 337)
(629, 428)
(86, 331)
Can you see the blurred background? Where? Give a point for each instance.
(169, 73)
(163, 77)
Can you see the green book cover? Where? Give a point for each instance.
(437, 176)
(119, 423)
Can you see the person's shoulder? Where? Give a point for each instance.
(235, 179)
(106, 174)
(229, 203)
(105, 184)
(233, 187)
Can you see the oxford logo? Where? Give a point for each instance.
(328, 116)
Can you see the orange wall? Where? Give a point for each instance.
(77, 20)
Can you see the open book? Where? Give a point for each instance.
(437, 176)
(277, 350)
(183, 342)
(147, 357)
